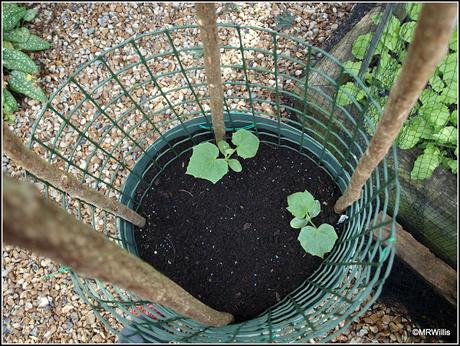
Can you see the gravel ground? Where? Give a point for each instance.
(39, 303)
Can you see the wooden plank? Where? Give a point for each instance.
(435, 271)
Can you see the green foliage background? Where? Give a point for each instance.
(432, 124)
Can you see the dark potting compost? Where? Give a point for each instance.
(230, 244)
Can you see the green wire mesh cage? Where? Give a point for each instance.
(123, 110)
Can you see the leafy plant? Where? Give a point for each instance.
(20, 69)
(432, 124)
(314, 240)
(206, 164)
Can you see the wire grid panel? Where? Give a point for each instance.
(116, 110)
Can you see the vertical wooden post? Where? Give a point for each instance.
(64, 181)
(208, 32)
(429, 45)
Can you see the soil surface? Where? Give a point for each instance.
(230, 244)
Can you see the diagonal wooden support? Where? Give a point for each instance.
(64, 181)
(435, 271)
(36, 224)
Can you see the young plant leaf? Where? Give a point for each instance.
(300, 204)
(16, 60)
(360, 45)
(246, 143)
(30, 14)
(17, 35)
(298, 222)
(453, 117)
(407, 30)
(204, 163)
(223, 146)
(235, 165)
(34, 43)
(10, 104)
(11, 16)
(317, 241)
(426, 163)
(446, 135)
(23, 83)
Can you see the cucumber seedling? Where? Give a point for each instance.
(206, 164)
(315, 240)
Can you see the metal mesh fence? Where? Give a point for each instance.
(427, 144)
(122, 120)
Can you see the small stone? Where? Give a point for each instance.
(43, 302)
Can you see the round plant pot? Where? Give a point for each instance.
(278, 134)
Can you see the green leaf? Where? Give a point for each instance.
(317, 241)
(388, 70)
(8, 44)
(17, 35)
(347, 92)
(11, 16)
(246, 143)
(448, 68)
(298, 222)
(426, 163)
(376, 18)
(452, 164)
(34, 43)
(435, 113)
(360, 45)
(412, 132)
(30, 14)
(352, 67)
(16, 60)
(453, 40)
(301, 203)
(204, 163)
(10, 104)
(428, 97)
(414, 10)
(453, 117)
(407, 31)
(389, 41)
(235, 165)
(223, 146)
(436, 83)
(446, 135)
(22, 83)
(449, 94)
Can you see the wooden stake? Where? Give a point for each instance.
(428, 47)
(64, 181)
(208, 32)
(39, 225)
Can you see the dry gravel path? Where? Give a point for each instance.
(42, 308)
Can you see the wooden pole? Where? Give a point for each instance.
(428, 47)
(208, 32)
(39, 225)
(64, 181)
